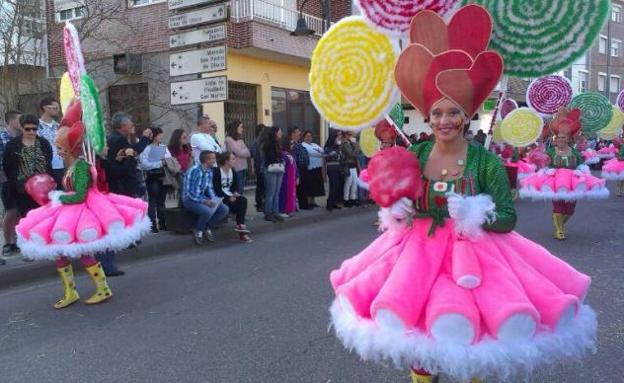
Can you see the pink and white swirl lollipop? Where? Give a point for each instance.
(508, 106)
(549, 93)
(620, 101)
(73, 56)
(394, 16)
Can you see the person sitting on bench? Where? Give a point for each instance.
(226, 185)
(198, 196)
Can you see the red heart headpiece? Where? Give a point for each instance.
(567, 122)
(449, 60)
(72, 129)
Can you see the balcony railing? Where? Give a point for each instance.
(244, 10)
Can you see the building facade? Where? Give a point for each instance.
(127, 47)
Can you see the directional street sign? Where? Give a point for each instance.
(201, 16)
(198, 61)
(177, 4)
(205, 35)
(212, 89)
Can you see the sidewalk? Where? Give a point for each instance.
(17, 272)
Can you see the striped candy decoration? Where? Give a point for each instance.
(596, 110)
(549, 93)
(394, 16)
(73, 56)
(352, 75)
(620, 101)
(540, 37)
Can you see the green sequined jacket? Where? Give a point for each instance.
(564, 162)
(77, 180)
(621, 153)
(484, 173)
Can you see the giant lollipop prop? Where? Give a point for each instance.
(73, 56)
(352, 75)
(522, 127)
(596, 110)
(92, 115)
(548, 94)
(540, 37)
(394, 16)
(614, 128)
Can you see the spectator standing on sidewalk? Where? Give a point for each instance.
(273, 173)
(312, 178)
(106, 258)
(350, 151)
(235, 144)
(9, 200)
(288, 190)
(203, 138)
(180, 149)
(334, 169)
(198, 196)
(225, 181)
(48, 128)
(153, 162)
(24, 157)
(302, 158)
(123, 177)
(256, 154)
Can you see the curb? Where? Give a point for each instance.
(168, 243)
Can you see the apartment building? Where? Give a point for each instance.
(23, 53)
(130, 47)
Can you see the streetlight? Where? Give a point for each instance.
(302, 28)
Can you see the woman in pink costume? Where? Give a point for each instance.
(568, 179)
(449, 287)
(614, 170)
(81, 221)
(288, 189)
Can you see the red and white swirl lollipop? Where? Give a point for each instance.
(508, 106)
(73, 56)
(394, 16)
(549, 93)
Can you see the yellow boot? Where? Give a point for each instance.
(102, 291)
(418, 377)
(69, 287)
(559, 229)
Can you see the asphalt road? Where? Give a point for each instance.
(259, 312)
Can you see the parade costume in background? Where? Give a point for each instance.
(449, 287)
(614, 170)
(81, 221)
(567, 179)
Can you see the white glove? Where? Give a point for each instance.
(396, 216)
(55, 197)
(550, 172)
(470, 213)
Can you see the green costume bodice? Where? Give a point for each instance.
(77, 180)
(483, 174)
(621, 153)
(564, 162)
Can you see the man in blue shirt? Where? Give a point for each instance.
(198, 196)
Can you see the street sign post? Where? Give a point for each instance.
(201, 16)
(198, 61)
(205, 35)
(177, 4)
(211, 89)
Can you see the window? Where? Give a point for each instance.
(602, 45)
(616, 13)
(614, 86)
(31, 28)
(602, 82)
(71, 14)
(583, 80)
(616, 47)
(137, 3)
(294, 108)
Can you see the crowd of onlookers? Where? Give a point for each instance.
(202, 175)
